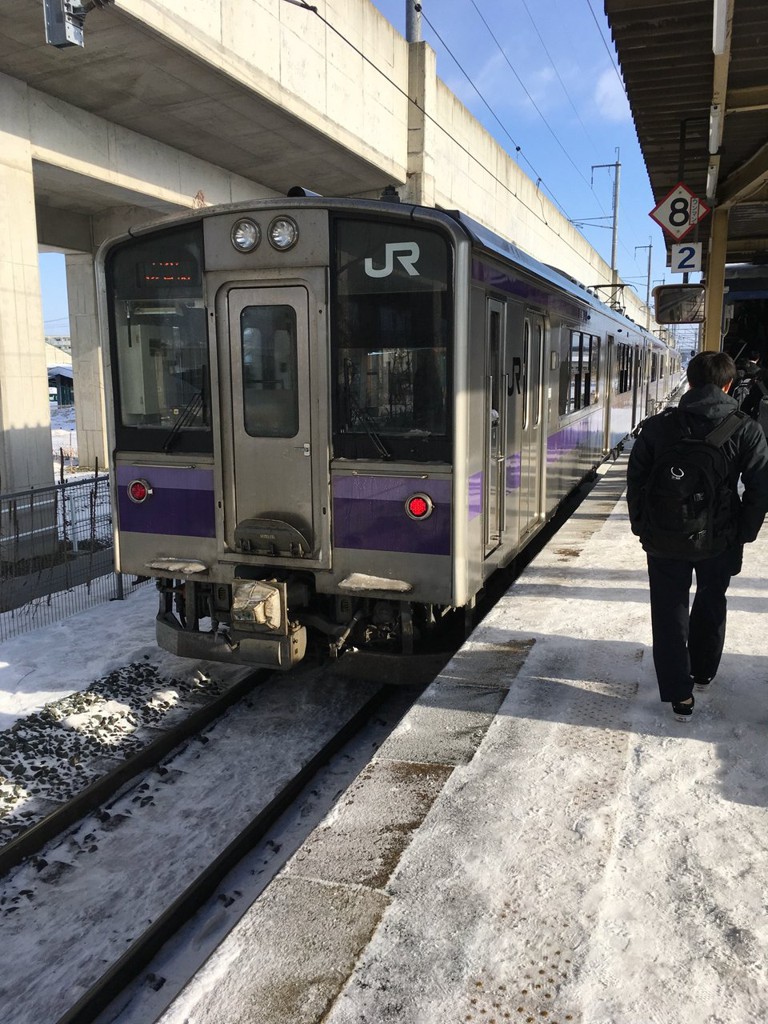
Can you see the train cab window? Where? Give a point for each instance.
(270, 371)
(391, 323)
(159, 343)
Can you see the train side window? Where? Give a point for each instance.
(270, 372)
(623, 368)
(583, 373)
(592, 375)
(539, 350)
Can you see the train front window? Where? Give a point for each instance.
(391, 324)
(159, 343)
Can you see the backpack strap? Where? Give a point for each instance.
(724, 430)
(682, 422)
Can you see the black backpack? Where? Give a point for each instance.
(761, 413)
(689, 504)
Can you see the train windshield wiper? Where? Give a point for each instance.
(194, 407)
(359, 414)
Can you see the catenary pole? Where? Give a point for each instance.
(413, 21)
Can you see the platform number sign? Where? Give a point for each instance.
(679, 212)
(685, 258)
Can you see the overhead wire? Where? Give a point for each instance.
(557, 73)
(502, 51)
(614, 65)
(518, 149)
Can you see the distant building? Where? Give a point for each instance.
(58, 350)
(60, 385)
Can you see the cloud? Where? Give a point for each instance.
(610, 99)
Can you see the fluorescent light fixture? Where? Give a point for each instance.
(711, 186)
(719, 25)
(715, 127)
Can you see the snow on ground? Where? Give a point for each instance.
(48, 663)
(63, 434)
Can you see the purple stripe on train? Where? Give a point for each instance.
(476, 484)
(369, 513)
(584, 433)
(181, 502)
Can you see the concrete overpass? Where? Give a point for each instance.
(170, 105)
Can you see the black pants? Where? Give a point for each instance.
(687, 644)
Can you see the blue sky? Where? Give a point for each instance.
(540, 75)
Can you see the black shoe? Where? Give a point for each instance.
(702, 683)
(683, 709)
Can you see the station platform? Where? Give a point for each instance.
(539, 839)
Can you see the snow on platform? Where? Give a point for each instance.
(574, 855)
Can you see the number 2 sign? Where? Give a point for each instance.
(679, 212)
(685, 258)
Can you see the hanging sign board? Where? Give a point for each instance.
(679, 212)
(685, 258)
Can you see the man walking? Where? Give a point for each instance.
(687, 647)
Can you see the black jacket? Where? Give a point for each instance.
(746, 451)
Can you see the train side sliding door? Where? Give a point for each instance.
(532, 440)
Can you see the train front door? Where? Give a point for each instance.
(532, 434)
(269, 510)
(495, 424)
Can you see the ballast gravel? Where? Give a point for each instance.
(49, 756)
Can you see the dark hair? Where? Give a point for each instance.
(711, 368)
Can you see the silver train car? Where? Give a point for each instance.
(332, 420)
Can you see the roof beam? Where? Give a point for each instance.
(747, 179)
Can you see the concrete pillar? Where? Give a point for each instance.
(25, 419)
(422, 89)
(714, 295)
(86, 361)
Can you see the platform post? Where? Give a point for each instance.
(713, 298)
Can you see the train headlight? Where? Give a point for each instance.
(283, 233)
(139, 491)
(245, 235)
(419, 506)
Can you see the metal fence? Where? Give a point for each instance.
(56, 553)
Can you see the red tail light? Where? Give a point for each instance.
(419, 506)
(139, 491)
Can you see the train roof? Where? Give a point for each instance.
(491, 242)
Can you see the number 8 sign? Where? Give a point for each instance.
(679, 212)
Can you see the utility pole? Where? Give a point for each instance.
(616, 179)
(649, 247)
(413, 21)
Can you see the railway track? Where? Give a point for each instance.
(30, 840)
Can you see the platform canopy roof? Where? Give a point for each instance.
(696, 74)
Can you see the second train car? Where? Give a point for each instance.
(335, 419)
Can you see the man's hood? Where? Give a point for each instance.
(710, 402)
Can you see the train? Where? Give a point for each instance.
(331, 420)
